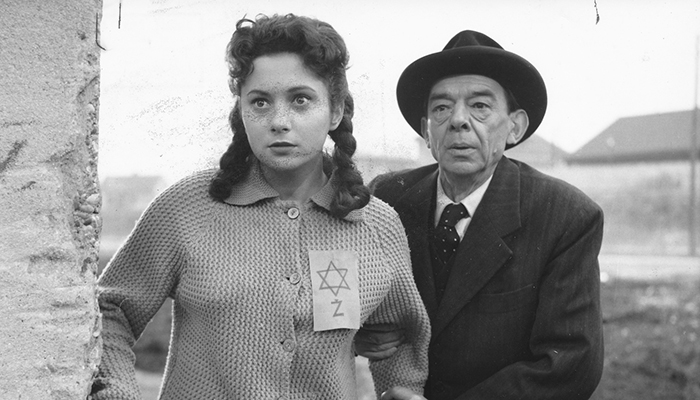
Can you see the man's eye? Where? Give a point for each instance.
(441, 109)
(480, 105)
(441, 112)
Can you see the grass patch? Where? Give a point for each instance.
(652, 340)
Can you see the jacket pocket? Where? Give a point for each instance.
(491, 303)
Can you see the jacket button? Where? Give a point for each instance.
(293, 213)
(288, 345)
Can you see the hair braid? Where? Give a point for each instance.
(351, 193)
(234, 163)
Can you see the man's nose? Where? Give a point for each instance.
(459, 120)
(281, 121)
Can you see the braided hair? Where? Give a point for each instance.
(324, 53)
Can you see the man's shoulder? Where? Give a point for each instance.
(548, 189)
(396, 182)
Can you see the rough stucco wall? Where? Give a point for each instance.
(49, 198)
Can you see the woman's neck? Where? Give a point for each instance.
(297, 186)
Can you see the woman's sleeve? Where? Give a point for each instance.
(132, 288)
(402, 306)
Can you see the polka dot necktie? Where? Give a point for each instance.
(445, 235)
(445, 242)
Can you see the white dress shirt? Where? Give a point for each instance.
(471, 202)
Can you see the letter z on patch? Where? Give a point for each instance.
(336, 291)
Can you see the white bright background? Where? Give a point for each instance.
(165, 99)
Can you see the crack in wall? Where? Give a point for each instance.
(12, 155)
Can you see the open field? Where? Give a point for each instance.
(651, 311)
(652, 339)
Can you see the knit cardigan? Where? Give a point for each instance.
(238, 273)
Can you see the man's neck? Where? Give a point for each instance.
(457, 188)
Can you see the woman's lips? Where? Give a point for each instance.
(282, 147)
(282, 144)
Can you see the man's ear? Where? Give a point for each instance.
(424, 131)
(337, 116)
(520, 123)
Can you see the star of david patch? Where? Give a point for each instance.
(336, 296)
(337, 275)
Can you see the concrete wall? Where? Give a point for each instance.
(49, 198)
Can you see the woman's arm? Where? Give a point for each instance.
(403, 307)
(132, 288)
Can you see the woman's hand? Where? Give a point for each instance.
(401, 393)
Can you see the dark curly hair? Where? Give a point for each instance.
(324, 53)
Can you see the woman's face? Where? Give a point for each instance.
(287, 114)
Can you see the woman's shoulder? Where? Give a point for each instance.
(192, 190)
(378, 212)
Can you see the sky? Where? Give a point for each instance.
(164, 95)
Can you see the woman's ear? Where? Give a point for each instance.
(520, 123)
(337, 116)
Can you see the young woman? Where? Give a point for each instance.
(276, 259)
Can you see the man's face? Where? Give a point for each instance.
(468, 125)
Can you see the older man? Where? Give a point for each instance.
(505, 257)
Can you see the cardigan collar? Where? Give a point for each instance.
(255, 188)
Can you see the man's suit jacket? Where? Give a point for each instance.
(520, 317)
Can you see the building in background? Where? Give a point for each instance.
(643, 138)
(644, 175)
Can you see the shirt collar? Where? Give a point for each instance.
(471, 202)
(254, 188)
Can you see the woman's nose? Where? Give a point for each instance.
(281, 121)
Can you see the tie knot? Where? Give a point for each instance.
(452, 214)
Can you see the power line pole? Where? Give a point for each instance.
(692, 228)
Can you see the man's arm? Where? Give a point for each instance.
(401, 393)
(379, 341)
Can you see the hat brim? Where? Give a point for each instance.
(508, 69)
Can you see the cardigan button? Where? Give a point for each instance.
(293, 213)
(294, 278)
(288, 345)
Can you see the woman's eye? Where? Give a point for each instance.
(301, 100)
(260, 103)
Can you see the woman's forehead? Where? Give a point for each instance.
(281, 71)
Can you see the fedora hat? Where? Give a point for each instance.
(472, 53)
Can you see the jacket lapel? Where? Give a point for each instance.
(482, 251)
(416, 205)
